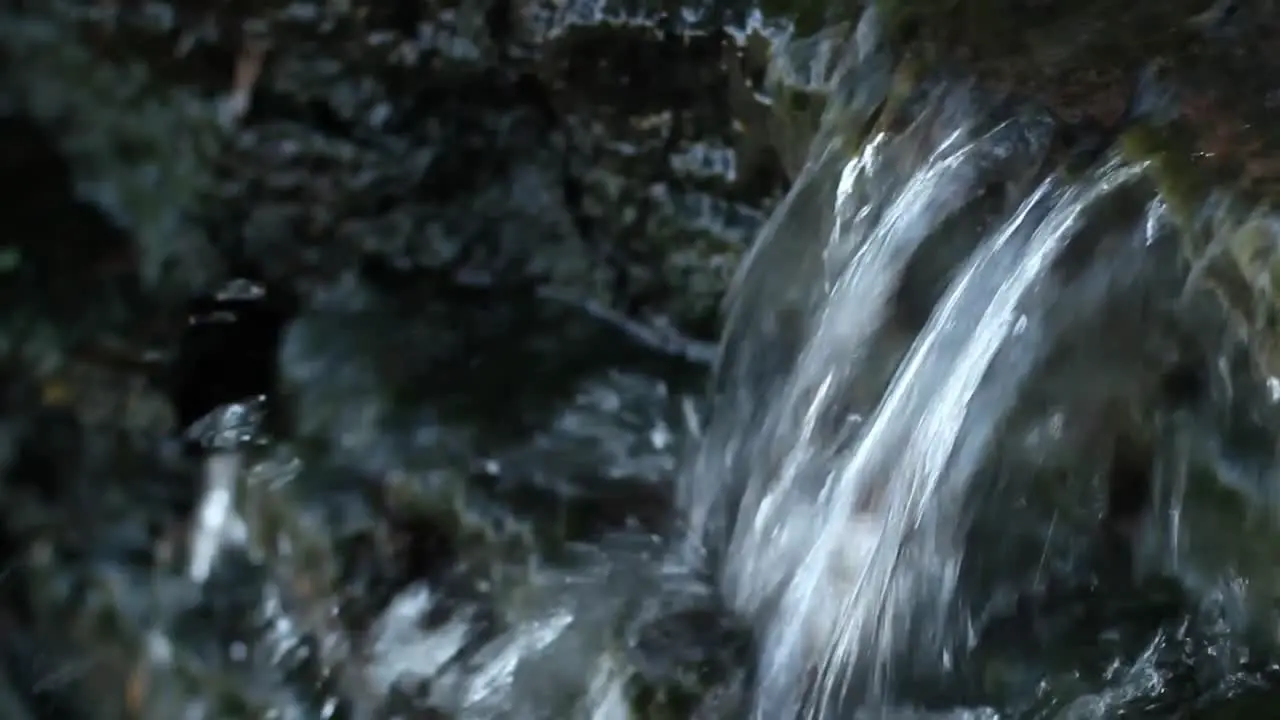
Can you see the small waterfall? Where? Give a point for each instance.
(902, 313)
(946, 355)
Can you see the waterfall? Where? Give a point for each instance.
(898, 317)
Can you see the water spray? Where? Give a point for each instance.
(225, 378)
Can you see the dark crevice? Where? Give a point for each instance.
(500, 21)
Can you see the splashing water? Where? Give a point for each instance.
(836, 487)
(934, 349)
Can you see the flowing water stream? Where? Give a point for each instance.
(946, 356)
(980, 443)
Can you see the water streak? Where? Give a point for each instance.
(832, 489)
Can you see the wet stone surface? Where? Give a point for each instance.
(531, 143)
(473, 225)
(381, 531)
(1202, 71)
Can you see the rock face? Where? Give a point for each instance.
(502, 143)
(1204, 67)
(460, 199)
(591, 151)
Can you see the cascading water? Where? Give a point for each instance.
(951, 363)
(854, 461)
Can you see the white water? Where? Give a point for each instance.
(835, 495)
(834, 488)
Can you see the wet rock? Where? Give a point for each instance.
(594, 154)
(619, 155)
(1109, 64)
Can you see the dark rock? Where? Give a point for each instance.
(227, 353)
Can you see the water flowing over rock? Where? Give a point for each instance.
(992, 421)
(872, 378)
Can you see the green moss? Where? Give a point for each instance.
(1227, 238)
(1183, 186)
